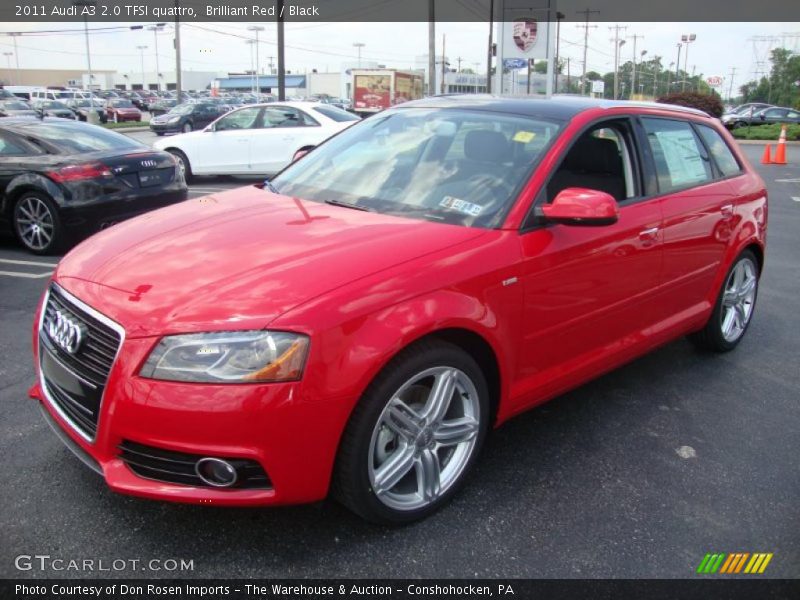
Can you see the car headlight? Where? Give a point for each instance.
(173, 119)
(228, 357)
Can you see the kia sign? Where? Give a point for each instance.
(714, 81)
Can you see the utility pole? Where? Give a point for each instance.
(569, 78)
(586, 12)
(730, 85)
(281, 61)
(444, 65)
(141, 49)
(155, 29)
(489, 60)
(359, 46)
(432, 48)
(177, 42)
(14, 36)
(559, 16)
(633, 69)
(617, 45)
(459, 59)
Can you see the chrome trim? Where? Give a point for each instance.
(65, 366)
(103, 319)
(228, 467)
(79, 452)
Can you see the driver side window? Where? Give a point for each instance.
(241, 119)
(599, 160)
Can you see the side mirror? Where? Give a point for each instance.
(301, 153)
(581, 206)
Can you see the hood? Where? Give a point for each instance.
(238, 260)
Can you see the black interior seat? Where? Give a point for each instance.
(593, 163)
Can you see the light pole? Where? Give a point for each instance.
(686, 39)
(359, 46)
(620, 44)
(155, 29)
(8, 56)
(14, 36)
(141, 49)
(91, 116)
(678, 63)
(252, 43)
(476, 65)
(256, 29)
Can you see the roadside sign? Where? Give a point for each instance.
(598, 87)
(714, 80)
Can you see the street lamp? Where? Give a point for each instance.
(8, 56)
(686, 39)
(155, 29)
(257, 29)
(252, 43)
(91, 116)
(359, 45)
(142, 49)
(620, 44)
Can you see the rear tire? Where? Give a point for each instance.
(183, 164)
(734, 308)
(37, 225)
(187, 128)
(403, 455)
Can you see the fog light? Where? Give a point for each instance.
(216, 472)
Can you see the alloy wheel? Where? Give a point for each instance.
(424, 438)
(35, 223)
(738, 300)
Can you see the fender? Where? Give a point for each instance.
(31, 181)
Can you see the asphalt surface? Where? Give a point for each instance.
(638, 474)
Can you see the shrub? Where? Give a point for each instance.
(708, 103)
(766, 132)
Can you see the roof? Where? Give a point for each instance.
(248, 81)
(554, 107)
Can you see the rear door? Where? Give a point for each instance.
(283, 131)
(699, 210)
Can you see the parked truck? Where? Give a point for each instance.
(377, 89)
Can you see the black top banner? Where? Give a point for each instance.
(98, 11)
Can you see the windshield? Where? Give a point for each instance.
(86, 103)
(12, 105)
(122, 103)
(55, 104)
(456, 166)
(182, 109)
(336, 114)
(73, 139)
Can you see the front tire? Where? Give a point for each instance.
(187, 128)
(414, 436)
(37, 224)
(734, 308)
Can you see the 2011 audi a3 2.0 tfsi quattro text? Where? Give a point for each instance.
(357, 324)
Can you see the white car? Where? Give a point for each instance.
(257, 139)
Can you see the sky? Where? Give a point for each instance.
(719, 47)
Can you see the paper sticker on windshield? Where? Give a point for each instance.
(462, 206)
(523, 137)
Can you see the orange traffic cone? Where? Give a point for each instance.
(766, 159)
(780, 151)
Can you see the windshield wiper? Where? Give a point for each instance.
(270, 187)
(347, 205)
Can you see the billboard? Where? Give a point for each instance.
(372, 91)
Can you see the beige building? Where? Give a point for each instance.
(54, 77)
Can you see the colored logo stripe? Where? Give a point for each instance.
(734, 563)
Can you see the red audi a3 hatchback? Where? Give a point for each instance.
(357, 325)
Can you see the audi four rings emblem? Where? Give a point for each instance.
(148, 163)
(65, 332)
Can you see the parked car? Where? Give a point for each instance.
(256, 139)
(16, 108)
(748, 108)
(83, 107)
(62, 180)
(186, 117)
(122, 109)
(53, 108)
(162, 106)
(766, 116)
(361, 322)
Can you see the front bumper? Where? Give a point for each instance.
(291, 436)
(165, 127)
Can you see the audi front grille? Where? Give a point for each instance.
(77, 348)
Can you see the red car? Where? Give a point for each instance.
(357, 325)
(122, 109)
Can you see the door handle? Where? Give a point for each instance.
(649, 234)
(727, 211)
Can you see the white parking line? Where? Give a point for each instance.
(26, 275)
(27, 262)
(795, 180)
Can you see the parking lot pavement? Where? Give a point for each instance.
(638, 474)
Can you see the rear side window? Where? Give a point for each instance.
(680, 159)
(720, 151)
(9, 147)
